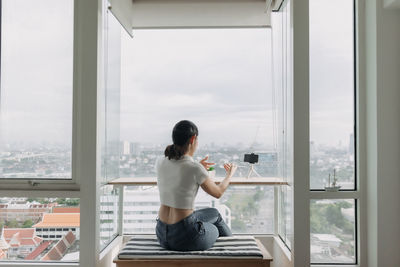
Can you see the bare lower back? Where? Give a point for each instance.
(171, 215)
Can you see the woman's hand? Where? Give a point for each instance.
(205, 163)
(230, 169)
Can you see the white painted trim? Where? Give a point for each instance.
(360, 115)
(203, 27)
(115, 242)
(197, 13)
(87, 49)
(39, 185)
(121, 210)
(40, 193)
(122, 10)
(334, 195)
(75, 106)
(276, 210)
(299, 13)
(361, 148)
(37, 264)
(283, 247)
(49, 183)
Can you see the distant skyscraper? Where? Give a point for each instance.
(312, 147)
(351, 144)
(135, 148)
(125, 148)
(141, 208)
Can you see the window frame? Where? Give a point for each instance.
(355, 102)
(86, 148)
(302, 193)
(68, 184)
(355, 193)
(84, 184)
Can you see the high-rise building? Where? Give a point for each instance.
(125, 148)
(351, 144)
(141, 207)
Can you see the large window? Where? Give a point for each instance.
(332, 90)
(333, 231)
(282, 70)
(221, 80)
(39, 229)
(36, 88)
(109, 135)
(333, 220)
(245, 209)
(218, 78)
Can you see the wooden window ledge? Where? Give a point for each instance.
(234, 181)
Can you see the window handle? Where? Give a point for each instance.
(32, 183)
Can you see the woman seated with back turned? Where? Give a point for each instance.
(179, 227)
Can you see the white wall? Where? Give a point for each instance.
(107, 259)
(280, 258)
(383, 133)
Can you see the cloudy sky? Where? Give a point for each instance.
(36, 71)
(220, 79)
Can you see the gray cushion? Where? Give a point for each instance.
(140, 247)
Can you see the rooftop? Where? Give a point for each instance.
(16, 237)
(59, 220)
(60, 249)
(66, 210)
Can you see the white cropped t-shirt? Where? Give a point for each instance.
(178, 181)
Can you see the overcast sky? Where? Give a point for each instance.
(220, 79)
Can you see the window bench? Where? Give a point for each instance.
(227, 251)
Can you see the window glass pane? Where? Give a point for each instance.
(36, 88)
(110, 153)
(109, 214)
(245, 209)
(332, 92)
(282, 70)
(39, 229)
(332, 231)
(218, 78)
(110, 101)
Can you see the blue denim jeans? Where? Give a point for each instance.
(198, 231)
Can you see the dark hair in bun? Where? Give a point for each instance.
(181, 135)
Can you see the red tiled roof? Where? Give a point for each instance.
(2, 254)
(38, 250)
(31, 242)
(23, 232)
(3, 243)
(66, 210)
(60, 249)
(17, 237)
(70, 237)
(59, 220)
(52, 255)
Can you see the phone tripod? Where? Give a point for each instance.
(251, 170)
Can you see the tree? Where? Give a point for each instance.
(68, 201)
(27, 224)
(238, 225)
(12, 224)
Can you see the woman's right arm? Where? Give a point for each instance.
(215, 190)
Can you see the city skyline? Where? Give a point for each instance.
(214, 66)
